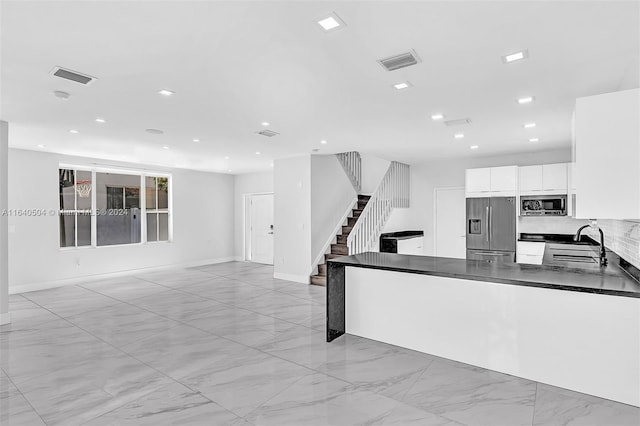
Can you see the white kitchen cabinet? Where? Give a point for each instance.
(530, 252)
(530, 179)
(504, 180)
(554, 178)
(547, 179)
(478, 180)
(607, 156)
(491, 182)
(411, 246)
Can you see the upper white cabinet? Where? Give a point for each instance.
(491, 181)
(478, 180)
(554, 177)
(543, 179)
(607, 156)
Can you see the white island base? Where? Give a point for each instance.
(584, 342)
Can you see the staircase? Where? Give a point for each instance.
(340, 248)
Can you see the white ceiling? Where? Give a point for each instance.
(236, 64)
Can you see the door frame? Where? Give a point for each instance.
(435, 211)
(246, 228)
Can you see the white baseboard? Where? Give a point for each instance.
(304, 279)
(45, 285)
(5, 318)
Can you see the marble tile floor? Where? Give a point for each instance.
(227, 344)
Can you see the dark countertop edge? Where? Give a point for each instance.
(402, 235)
(556, 239)
(506, 281)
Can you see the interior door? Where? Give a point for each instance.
(261, 228)
(477, 225)
(450, 223)
(502, 220)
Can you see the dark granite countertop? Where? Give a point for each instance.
(612, 280)
(402, 235)
(557, 238)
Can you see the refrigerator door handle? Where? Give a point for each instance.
(488, 221)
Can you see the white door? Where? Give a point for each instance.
(261, 228)
(450, 218)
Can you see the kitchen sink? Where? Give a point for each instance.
(571, 255)
(574, 258)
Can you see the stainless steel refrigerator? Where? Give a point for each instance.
(491, 229)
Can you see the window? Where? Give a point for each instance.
(75, 207)
(118, 210)
(103, 208)
(157, 208)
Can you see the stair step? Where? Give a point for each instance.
(356, 212)
(364, 197)
(351, 221)
(322, 269)
(346, 230)
(340, 249)
(319, 280)
(341, 239)
(362, 204)
(328, 256)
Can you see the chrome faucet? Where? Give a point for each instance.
(603, 253)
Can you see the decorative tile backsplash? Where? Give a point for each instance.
(623, 237)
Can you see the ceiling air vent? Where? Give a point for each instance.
(402, 60)
(457, 122)
(268, 133)
(72, 75)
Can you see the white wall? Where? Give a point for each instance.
(203, 215)
(245, 184)
(292, 217)
(331, 195)
(450, 173)
(5, 317)
(373, 170)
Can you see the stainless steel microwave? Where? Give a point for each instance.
(543, 205)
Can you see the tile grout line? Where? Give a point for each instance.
(535, 401)
(23, 397)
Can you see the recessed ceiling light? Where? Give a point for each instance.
(458, 135)
(154, 131)
(74, 131)
(100, 120)
(474, 147)
(529, 125)
(534, 140)
(229, 170)
(402, 86)
(226, 157)
(61, 95)
(166, 92)
(437, 116)
(323, 142)
(526, 100)
(331, 22)
(41, 146)
(196, 140)
(515, 56)
(265, 123)
(165, 147)
(258, 153)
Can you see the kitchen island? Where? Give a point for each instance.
(568, 327)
